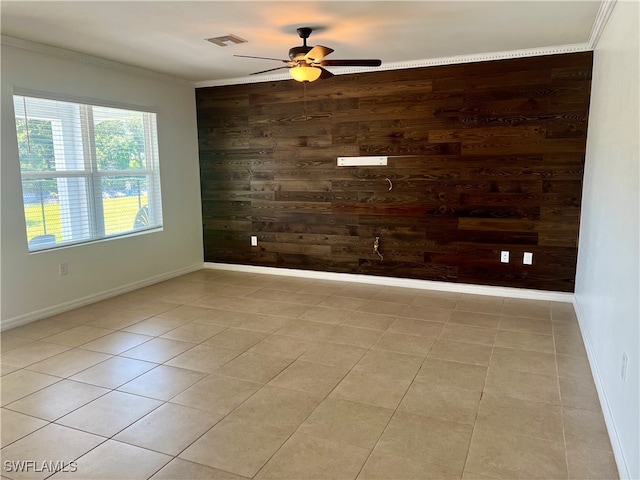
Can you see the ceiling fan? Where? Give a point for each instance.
(306, 63)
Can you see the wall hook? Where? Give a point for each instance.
(390, 184)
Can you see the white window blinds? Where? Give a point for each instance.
(88, 172)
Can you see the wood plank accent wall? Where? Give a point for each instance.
(483, 157)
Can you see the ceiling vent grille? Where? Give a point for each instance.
(226, 40)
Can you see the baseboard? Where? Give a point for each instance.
(81, 302)
(508, 292)
(616, 444)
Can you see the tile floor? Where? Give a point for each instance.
(227, 375)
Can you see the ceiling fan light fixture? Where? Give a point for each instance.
(303, 73)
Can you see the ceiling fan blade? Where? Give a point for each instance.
(351, 63)
(325, 73)
(263, 58)
(317, 53)
(270, 70)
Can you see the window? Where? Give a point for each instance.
(88, 172)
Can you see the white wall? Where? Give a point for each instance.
(31, 285)
(607, 283)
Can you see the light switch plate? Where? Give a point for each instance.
(254, 241)
(527, 258)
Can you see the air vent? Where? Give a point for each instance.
(226, 40)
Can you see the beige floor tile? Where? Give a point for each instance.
(51, 443)
(306, 457)
(153, 326)
(186, 313)
(10, 341)
(237, 446)
(461, 352)
(310, 377)
(193, 332)
(217, 394)
(438, 315)
(40, 329)
(325, 314)
(254, 367)
(116, 342)
(225, 318)
(347, 422)
(78, 335)
(360, 291)
(391, 364)
(480, 303)
(586, 464)
(522, 324)
(579, 393)
(573, 367)
(525, 341)
(264, 323)
(69, 362)
(323, 287)
(570, 345)
(110, 413)
(585, 429)
(427, 439)
(464, 333)
(474, 319)
(568, 328)
(452, 374)
(203, 358)
(5, 368)
(282, 346)
(236, 339)
(185, 424)
(401, 343)
(179, 468)
(163, 382)
(523, 385)
(466, 475)
(402, 296)
(118, 320)
(378, 390)
(385, 308)
(32, 353)
(382, 466)
(280, 407)
(117, 461)
(14, 425)
(533, 419)
(358, 337)
(374, 321)
(113, 372)
(158, 350)
(282, 309)
(325, 353)
(311, 331)
(445, 403)
(342, 302)
(517, 307)
(56, 400)
(21, 383)
(435, 299)
(410, 326)
(562, 311)
(524, 361)
(510, 456)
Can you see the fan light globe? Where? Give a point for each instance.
(305, 74)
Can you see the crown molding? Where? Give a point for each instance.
(428, 62)
(602, 17)
(87, 59)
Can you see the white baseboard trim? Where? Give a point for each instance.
(81, 302)
(401, 282)
(616, 444)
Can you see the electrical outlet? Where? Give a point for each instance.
(254, 241)
(623, 371)
(64, 269)
(527, 258)
(504, 256)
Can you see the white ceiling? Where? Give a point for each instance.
(169, 36)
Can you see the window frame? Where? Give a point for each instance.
(92, 174)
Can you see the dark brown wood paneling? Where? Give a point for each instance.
(483, 157)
